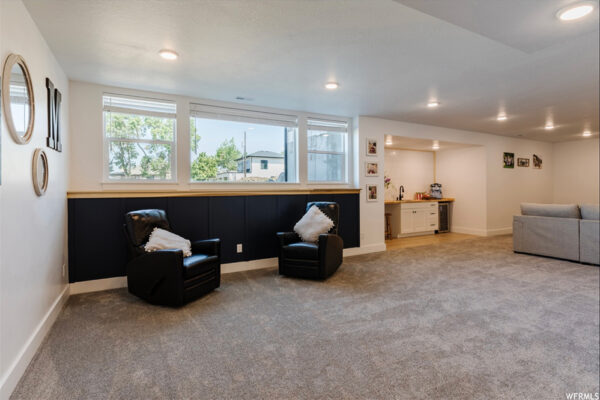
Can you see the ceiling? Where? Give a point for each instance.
(408, 143)
(390, 57)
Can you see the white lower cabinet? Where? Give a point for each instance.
(418, 217)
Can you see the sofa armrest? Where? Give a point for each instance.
(331, 253)
(589, 241)
(286, 238)
(546, 236)
(211, 247)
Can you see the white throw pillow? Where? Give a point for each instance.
(161, 239)
(312, 224)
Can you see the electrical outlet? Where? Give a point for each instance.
(64, 270)
(239, 248)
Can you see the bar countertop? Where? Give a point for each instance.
(442, 200)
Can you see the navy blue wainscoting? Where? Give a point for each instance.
(97, 247)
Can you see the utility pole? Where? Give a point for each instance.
(244, 167)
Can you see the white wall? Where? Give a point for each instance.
(505, 188)
(463, 175)
(372, 235)
(33, 229)
(411, 169)
(508, 188)
(576, 172)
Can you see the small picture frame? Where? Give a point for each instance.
(371, 169)
(523, 162)
(371, 192)
(371, 147)
(508, 160)
(537, 162)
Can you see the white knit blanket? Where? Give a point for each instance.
(161, 239)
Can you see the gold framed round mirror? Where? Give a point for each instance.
(40, 172)
(17, 99)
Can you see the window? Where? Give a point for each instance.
(236, 145)
(139, 137)
(327, 143)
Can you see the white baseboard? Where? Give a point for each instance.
(121, 281)
(499, 231)
(15, 371)
(371, 248)
(249, 265)
(469, 231)
(482, 232)
(98, 284)
(422, 233)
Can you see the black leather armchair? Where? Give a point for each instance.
(312, 260)
(166, 277)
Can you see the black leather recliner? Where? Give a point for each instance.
(312, 260)
(165, 277)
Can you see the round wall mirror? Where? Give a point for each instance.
(40, 172)
(17, 99)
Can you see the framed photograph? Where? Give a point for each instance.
(537, 162)
(508, 160)
(371, 169)
(523, 162)
(371, 147)
(371, 192)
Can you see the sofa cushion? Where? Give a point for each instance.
(161, 239)
(590, 211)
(551, 210)
(313, 224)
(301, 250)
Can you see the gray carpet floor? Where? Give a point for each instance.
(465, 320)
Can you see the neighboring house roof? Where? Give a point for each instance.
(262, 154)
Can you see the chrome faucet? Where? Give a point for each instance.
(401, 192)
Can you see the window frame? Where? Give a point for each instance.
(344, 153)
(257, 115)
(106, 179)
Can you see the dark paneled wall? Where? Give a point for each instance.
(97, 246)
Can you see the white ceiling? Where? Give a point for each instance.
(475, 56)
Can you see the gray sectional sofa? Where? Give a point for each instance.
(565, 231)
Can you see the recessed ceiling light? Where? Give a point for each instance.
(433, 104)
(501, 117)
(549, 126)
(575, 11)
(332, 85)
(587, 133)
(168, 54)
